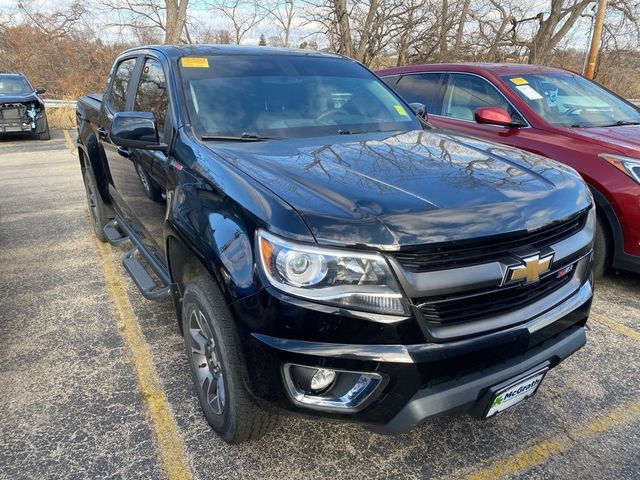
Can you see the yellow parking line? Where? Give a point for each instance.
(171, 450)
(542, 451)
(616, 327)
(69, 142)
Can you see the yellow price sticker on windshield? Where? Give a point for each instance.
(519, 81)
(400, 109)
(195, 62)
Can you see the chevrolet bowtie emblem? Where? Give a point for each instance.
(533, 267)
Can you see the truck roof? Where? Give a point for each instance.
(178, 51)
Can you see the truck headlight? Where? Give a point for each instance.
(627, 165)
(362, 281)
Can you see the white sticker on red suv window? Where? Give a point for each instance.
(529, 92)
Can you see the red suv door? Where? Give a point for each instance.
(453, 99)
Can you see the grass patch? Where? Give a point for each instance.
(61, 118)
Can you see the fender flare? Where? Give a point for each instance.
(89, 149)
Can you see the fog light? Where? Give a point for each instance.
(322, 379)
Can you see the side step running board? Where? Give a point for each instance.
(141, 277)
(114, 234)
(139, 263)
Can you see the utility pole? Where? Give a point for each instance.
(596, 39)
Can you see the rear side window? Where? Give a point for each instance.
(120, 84)
(151, 95)
(423, 88)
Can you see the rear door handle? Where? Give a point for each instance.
(102, 133)
(124, 152)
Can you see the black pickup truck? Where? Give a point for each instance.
(328, 252)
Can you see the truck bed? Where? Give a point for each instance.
(88, 110)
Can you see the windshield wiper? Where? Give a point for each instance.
(245, 137)
(621, 123)
(346, 131)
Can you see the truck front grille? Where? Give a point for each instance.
(487, 303)
(474, 252)
(12, 112)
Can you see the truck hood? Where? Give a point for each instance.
(393, 190)
(625, 136)
(30, 97)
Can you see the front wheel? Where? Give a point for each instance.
(43, 128)
(217, 365)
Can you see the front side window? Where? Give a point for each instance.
(14, 85)
(120, 84)
(151, 95)
(466, 93)
(423, 88)
(569, 100)
(288, 96)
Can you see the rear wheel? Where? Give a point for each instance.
(97, 209)
(601, 249)
(217, 365)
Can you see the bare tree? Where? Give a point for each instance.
(243, 15)
(282, 13)
(167, 16)
(56, 23)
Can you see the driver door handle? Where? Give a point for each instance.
(102, 133)
(124, 152)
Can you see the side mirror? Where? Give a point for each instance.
(41, 90)
(494, 116)
(419, 109)
(135, 130)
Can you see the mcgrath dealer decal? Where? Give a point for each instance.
(514, 393)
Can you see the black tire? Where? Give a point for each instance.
(44, 135)
(205, 314)
(97, 208)
(43, 128)
(601, 249)
(151, 189)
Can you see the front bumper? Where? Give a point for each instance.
(420, 380)
(469, 393)
(19, 118)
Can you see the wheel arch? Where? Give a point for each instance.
(184, 264)
(605, 210)
(89, 151)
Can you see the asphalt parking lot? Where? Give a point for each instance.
(94, 382)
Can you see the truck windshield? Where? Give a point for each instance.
(569, 100)
(14, 86)
(264, 96)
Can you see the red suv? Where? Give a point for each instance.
(551, 112)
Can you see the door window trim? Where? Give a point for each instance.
(168, 114)
(447, 74)
(133, 80)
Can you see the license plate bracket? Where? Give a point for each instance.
(515, 391)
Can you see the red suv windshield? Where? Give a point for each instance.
(569, 100)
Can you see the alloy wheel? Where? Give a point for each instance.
(206, 361)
